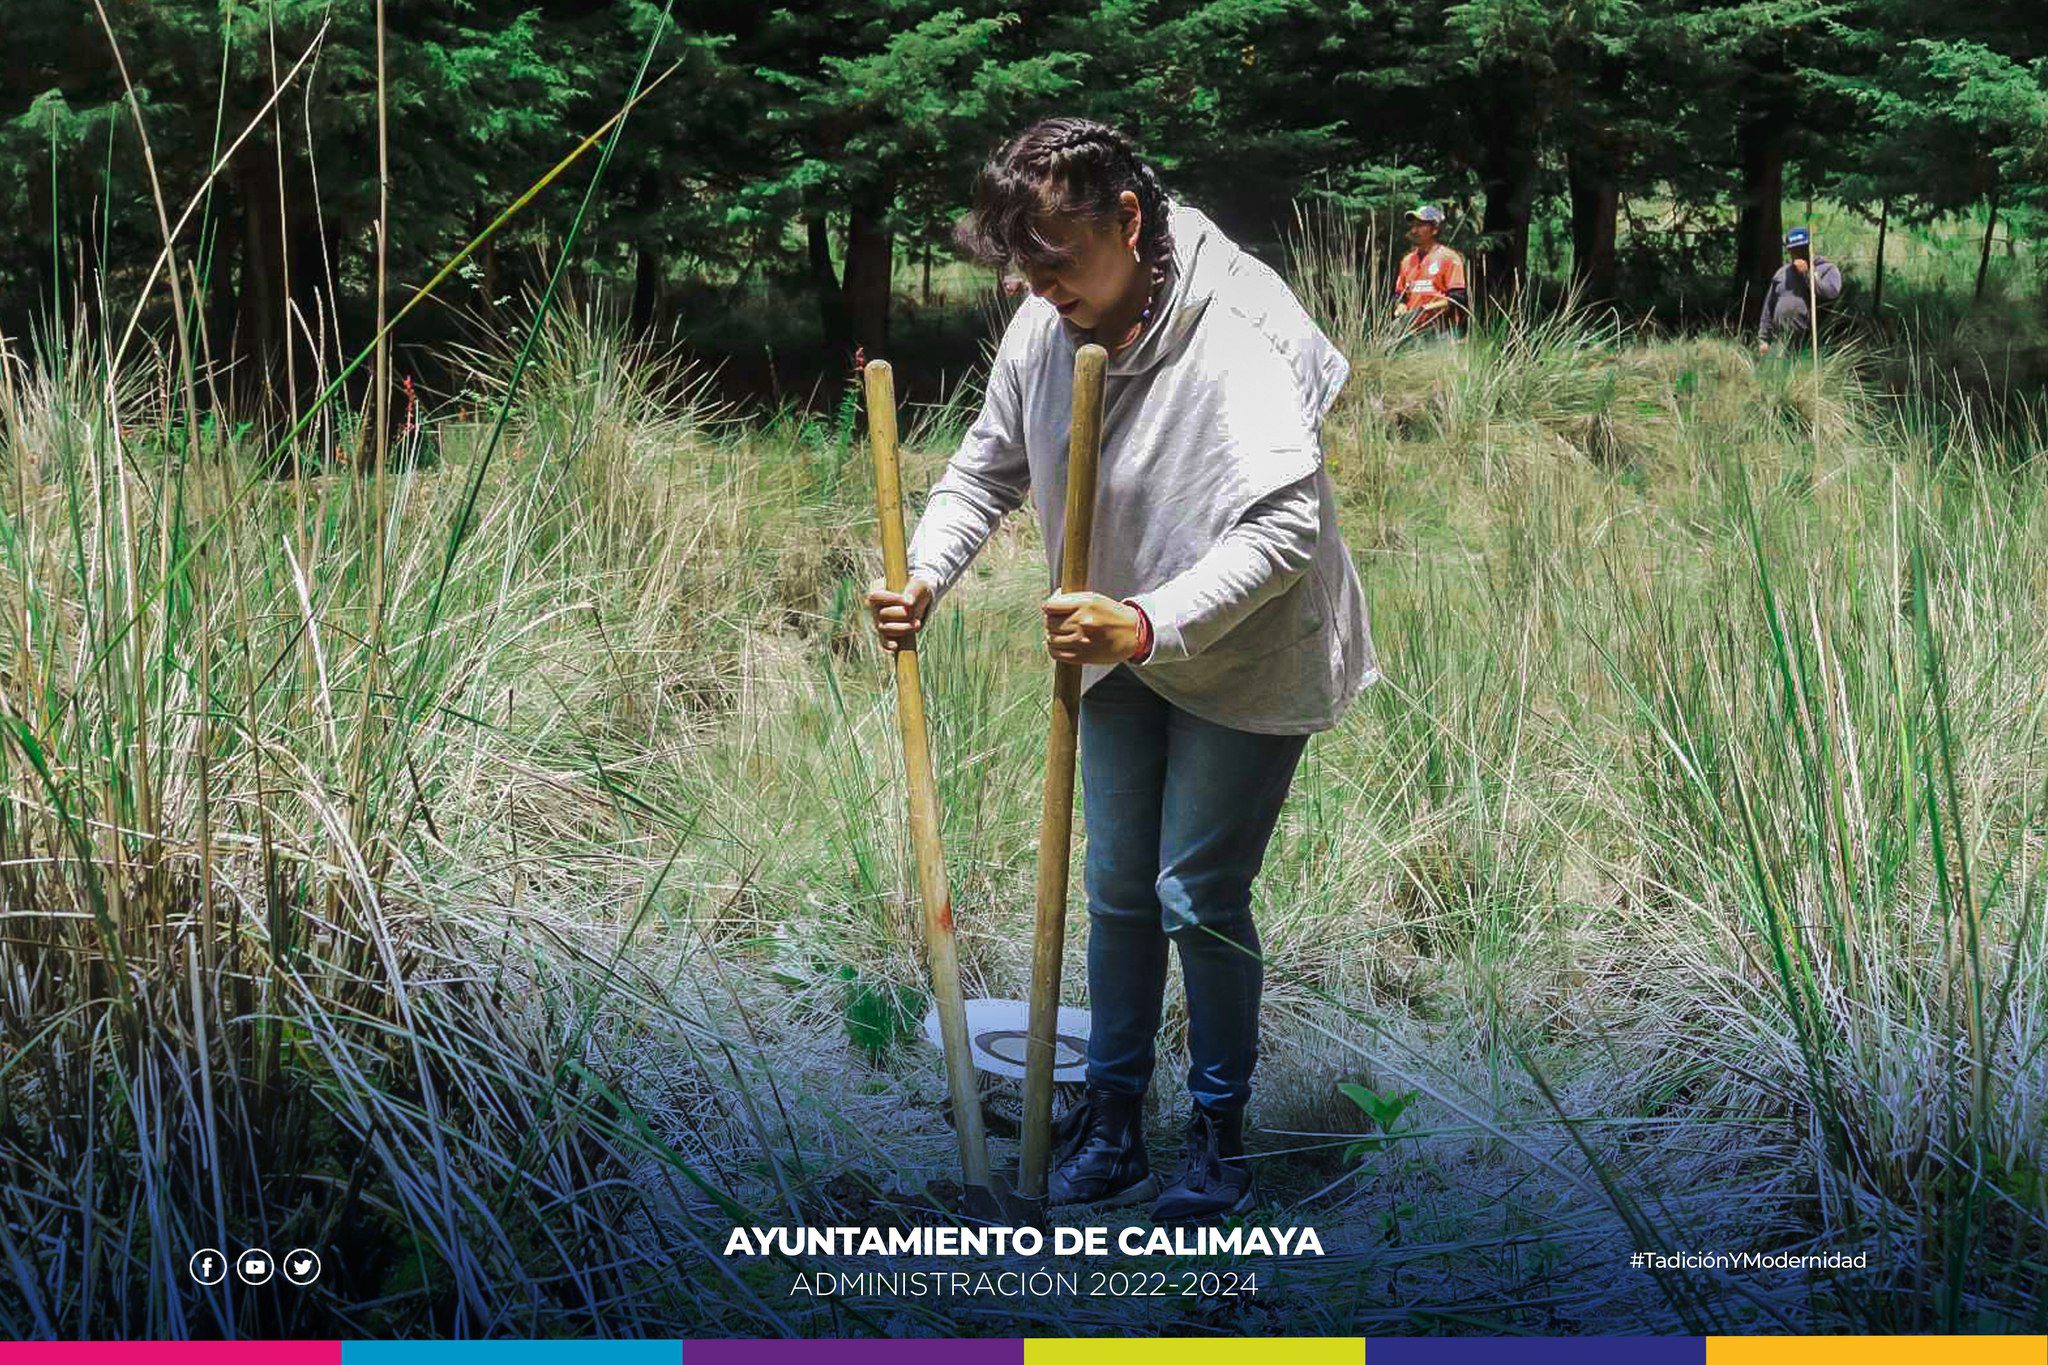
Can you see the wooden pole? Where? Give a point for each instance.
(941, 946)
(1813, 326)
(1056, 825)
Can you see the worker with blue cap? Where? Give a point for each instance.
(1801, 284)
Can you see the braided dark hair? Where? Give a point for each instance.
(1060, 167)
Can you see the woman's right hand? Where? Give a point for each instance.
(899, 615)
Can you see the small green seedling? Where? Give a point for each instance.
(1384, 1112)
(878, 1015)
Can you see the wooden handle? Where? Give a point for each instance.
(1056, 822)
(1084, 449)
(1813, 323)
(941, 949)
(881, 394)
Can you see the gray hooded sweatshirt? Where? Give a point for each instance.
(1785, 311)
(1213, 511)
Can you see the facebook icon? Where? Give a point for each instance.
(208, 1266)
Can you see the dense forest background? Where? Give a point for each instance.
(817, 150)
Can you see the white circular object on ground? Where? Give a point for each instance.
(999, 1031)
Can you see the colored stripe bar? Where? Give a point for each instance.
(857, 1351)
(1875, 1350)
(172, 1352)
(1536, 1351)
(488, 1351)
(1195, 1351)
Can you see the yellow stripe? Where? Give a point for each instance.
(1195, 1351)
(1876, 1350)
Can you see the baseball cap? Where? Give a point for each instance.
(1427, 213)
(1798, 236)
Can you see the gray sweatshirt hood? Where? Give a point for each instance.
(1208, 268)
(1194, 276)
(1214, 410)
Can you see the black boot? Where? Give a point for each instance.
(1217, 1179)
(1099, 1153)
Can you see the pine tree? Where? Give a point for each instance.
(868, 108)
(1957, 114)
(287, 235)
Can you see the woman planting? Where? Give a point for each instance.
(1229, 624)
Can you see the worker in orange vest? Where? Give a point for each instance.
(1430, 288)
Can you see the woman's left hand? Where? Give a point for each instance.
(1088, 628)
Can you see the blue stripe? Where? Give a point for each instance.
(495, 1352)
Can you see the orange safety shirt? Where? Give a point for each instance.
(1424, 280)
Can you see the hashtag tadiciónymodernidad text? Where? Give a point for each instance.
(1747, 1260)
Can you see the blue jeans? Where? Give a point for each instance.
(1178, 813)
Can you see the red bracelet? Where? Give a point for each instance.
(1144, 650)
